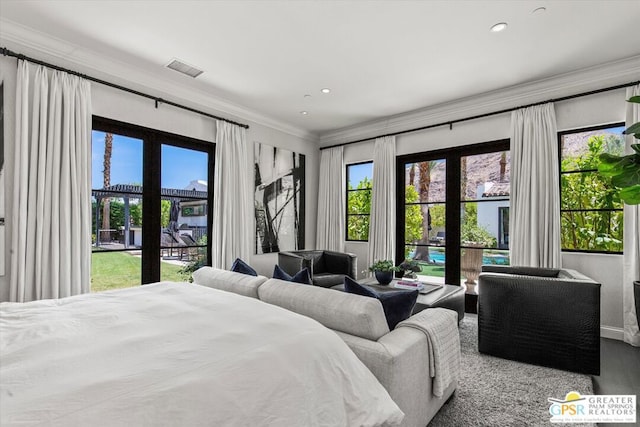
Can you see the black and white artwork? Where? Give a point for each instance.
(2, 180)
(279, 199)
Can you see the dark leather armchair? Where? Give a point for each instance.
(327, 268)
(543, 316)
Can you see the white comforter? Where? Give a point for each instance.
(172, 354)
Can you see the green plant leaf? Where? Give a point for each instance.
(633, 129)
(629, 176)
(636, 148)
(635, 99)
(631, 195)
(611, 165)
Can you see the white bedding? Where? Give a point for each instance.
(172, 354)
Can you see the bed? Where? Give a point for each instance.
(177, 354)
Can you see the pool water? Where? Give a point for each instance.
(439, 258)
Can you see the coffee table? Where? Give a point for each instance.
(449, 296)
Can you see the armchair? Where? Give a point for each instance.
(542, 316)
(327, 268)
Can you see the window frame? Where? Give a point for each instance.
(153, 140)
(347, 191)
(561, 172)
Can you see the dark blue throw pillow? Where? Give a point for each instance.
(301, 276)
(239, 266)
(397, 305)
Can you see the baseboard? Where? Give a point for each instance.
(612, 333)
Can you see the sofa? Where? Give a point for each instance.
(326, 268)
(543, 316)
(398, 358)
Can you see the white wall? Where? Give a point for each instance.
(606, 107)
(119, 105)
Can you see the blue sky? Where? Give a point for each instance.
(180, 166)
(358, 172)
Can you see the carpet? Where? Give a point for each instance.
(498, 392)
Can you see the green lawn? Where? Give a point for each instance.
(115, 270)
(432, 270)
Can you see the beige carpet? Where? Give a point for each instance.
(499, 392)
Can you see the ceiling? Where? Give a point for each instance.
(379, 58)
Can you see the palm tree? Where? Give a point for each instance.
(424, 170)
(106, 207)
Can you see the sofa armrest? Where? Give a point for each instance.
(400, 361)
(291, 262)
(341, 263)
(526, 271)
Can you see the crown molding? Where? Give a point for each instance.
(42, 46)
(592, 78)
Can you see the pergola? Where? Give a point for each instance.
(125, 191)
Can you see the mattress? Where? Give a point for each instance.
(177, 354)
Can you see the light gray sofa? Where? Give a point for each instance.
(398, 358)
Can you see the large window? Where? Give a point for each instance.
(591, 211)
(359, 183)
(453, 210)
(151, 196)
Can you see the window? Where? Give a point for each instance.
(453, 210)
(140, 232)
(590, 210)
(359, 183)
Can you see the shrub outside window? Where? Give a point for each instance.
(591, 212)
(359, 184)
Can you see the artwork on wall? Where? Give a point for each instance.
(279, 199)
(2, 253)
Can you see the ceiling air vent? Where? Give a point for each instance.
(183, 68)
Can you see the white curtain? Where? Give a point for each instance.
(631, 255)
(51, 213)
(330, 231)
(232, 208)
(535, 188)
(382, 224)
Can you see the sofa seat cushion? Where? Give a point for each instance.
(397, 305)
(230, 281)
(340, 311)
(327, 280)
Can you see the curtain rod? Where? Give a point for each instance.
(7, 52)
(479, 116)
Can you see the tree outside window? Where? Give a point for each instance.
(591, 211)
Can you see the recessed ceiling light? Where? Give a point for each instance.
(307, 96)
(500, 26)
(325, 90)
(539, 10)
(304, 113)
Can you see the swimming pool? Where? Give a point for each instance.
(438, 257)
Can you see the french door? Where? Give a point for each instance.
(152, 203)
(453, 208)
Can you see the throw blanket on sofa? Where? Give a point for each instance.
(441, 328)
(176, 354)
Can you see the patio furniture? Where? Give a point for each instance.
(543, 316)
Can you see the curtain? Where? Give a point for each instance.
(51, 212)
(382, 225)
(330, 231)
(631, 240)
(535, 188)
(232, 208)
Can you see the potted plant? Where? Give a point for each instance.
(624, 172)
(474, 237)
(383, 271)
(408, 268)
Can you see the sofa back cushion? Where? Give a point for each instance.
(230, 281)
(340, 311)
